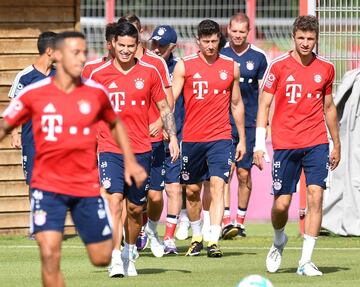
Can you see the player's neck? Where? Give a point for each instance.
(64, 82)
(140, 51)
(240, 49)
(43, 65)
(303, 60)
(209, 59)
(125, 67)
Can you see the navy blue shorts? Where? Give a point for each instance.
(287, 165)
(157, 172)
(172, 170)
(90, 215)
(201, 160)
(111, 169)
(28, 156)
(247, 160)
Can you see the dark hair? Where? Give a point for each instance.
(132, 18)
(207, 28)
(110, 31)
(46, 40)
(240, 17)
(306, 23)
(59, 40)
(126, 29)
(222, 41)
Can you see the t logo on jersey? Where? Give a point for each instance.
(52, 125)
(117, 99)
(201, 89)
(293, 91)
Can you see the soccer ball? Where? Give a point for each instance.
(254, 281)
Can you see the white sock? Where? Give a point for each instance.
(308, 248)
(116, 253)
(128, 251)
(183, 215)
(196, 228)
(227, 212)
(279, 236)
(206, 218)
(152, 225)
(215, 231)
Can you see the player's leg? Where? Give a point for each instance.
(48, 212)
(182, 232)
(315, 164)
(90, 215)
(219, 160)
(245, 182)
(111, 170)
(136, 200)
(286, 173)
(174, 201)
(155, 198)
(193, 170)
(206, 201)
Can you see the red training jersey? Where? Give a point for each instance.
(160, 64)
(64, 127)
(299, 92)
(92, 65)
(207, 94)
(130, 95)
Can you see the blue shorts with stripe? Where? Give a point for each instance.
(287, 166)
(28, 156)
(247, 160)
(157, 172)
(90, 215)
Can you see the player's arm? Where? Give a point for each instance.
(178, 79)
(13, 92)
(168, 120)
(5, 128)
(133, 170)
(265, 100)
(238, 112)
(333, 127)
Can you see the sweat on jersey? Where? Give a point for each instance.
(24, 78)
(64, 126)
(299, 92)
(131, 95)
(207, 94)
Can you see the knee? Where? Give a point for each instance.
(243, 176)
(192, 195)
(281, 207)
(155, 197)
(115, 205)
(50, 256)
(134, 210)
(101, 259)
(173, 191)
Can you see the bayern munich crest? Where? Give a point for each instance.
(277, 184)
(40, 217)
(84, 107)
(106, 183)
(250, 65)
(223, 75)
(139, 84)
(317, 78)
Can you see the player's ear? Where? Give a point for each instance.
(113, 41)
(197, 40)
(172, 47)
(57, 55)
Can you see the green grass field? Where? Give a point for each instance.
(337, 257)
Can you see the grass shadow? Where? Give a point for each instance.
(325, 269)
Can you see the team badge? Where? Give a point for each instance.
(101, 213)
(40, 217)
(139, 84)
(223, 75)
(317, 78)
(106, 183)
(185, 176)
(277, 184)
(84, 107)
(250, 65)
(161, 31)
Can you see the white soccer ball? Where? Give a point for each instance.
(254, 281)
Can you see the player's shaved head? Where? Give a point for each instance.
(61, 37)
(46, 40)
(240, 17)
(306, 23)
(207, 28)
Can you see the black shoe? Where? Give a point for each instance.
(214, 251)
(229, 232)
(241, 230)
(195, 248)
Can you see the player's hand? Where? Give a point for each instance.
(334, 157)
(259, 155)
(15, 140)
(154, 128)
(165, 136)
(174, 148)
(240, 150)
(135, 172)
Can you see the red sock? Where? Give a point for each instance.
(170, 228)
(240, 219)
(226, 220)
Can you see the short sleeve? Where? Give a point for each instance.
(271, 79)
(107, 112)
(157, 88)
(164, 73)
(17, 86)
(262, 67)
(330, 81)
(18, 111)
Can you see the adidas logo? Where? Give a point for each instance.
(49, 108)
(290, 79)
(197, 76)
(112, 85)
(143, 199)
(226, 174)
(106, 230)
